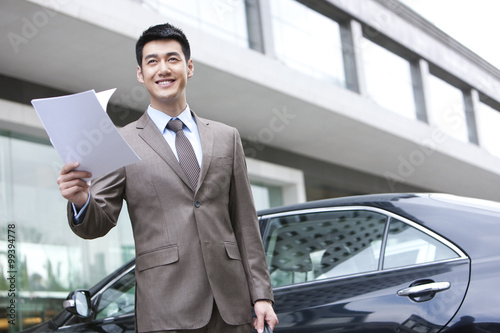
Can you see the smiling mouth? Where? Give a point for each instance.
(165, 82)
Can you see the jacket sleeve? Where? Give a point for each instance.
(245, 223)
(105, 203)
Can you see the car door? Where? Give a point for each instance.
(361, 269)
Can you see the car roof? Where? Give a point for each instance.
(368, 200)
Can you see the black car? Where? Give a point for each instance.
(376, 263)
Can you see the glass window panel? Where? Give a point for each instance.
(408, 246)
(316, 246)
(266, 196)
(51, 260)
(307, 41)
(388, 79)
(447, 109)
(119, 298)
(488, 123)
(260, 197)
(223, 18)
(5, 183)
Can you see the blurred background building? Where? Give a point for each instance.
(331, 98)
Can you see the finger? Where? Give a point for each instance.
(72, 176)
(68, 167)
(271, 318)
(260, 323)
(77, 194)
(273, 322)
(69, 189)
(76, 183)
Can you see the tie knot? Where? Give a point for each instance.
(175, 125)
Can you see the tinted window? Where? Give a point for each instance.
(315, 246)
(409, 246)
(119, 298)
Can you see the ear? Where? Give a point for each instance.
(190, 66)
(140, 78)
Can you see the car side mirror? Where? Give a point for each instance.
(78, 303)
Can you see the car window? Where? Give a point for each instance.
(314, 246)
(119, 298)
(407, 246)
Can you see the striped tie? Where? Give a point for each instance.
(185, 151)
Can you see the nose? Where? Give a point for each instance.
(164, 68)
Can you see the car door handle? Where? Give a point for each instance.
(424, 288)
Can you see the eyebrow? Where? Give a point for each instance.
(154, 55)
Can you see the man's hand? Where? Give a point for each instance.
(264, 312)
(72, 186)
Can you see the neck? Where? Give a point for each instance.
(173, 110)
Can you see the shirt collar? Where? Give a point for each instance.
(161, 119)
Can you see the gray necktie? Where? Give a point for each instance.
(185, 151)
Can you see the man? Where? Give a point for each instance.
(200, 263)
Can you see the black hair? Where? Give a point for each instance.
(159, 32)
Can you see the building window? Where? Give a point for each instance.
(307, 41)
(388, 79)
(275, 185)
(223, 18)
(488, 123)
(266, 196)
(50, 259)
(447, 108)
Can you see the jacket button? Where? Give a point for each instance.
(197, 204)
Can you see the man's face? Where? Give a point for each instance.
(165, 72)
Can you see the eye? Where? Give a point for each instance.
(151, 61)
(173, 59)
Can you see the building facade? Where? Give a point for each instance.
(331, 97)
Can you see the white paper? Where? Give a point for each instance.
(104, 96)
(81, 131)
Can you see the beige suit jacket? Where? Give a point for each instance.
(192, 247)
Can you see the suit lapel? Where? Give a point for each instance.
(157, 142)
(207, 145)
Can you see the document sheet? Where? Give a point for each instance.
(81, 131)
